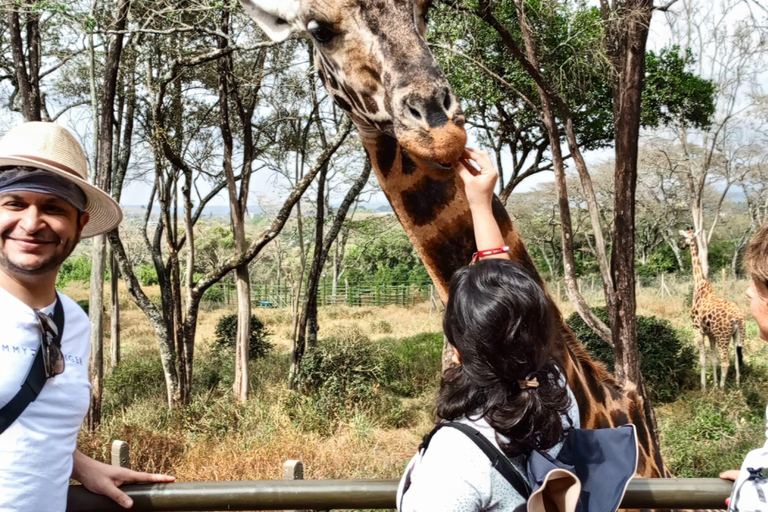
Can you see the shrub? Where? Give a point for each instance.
(341, 378)
(84, 304)
(665, 361)
(147, 275)
(382, 326)
(414, 364)
(226, 335)
(215, 294)
(133, 379)
(74, 269)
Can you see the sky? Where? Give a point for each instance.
(269, 186)
(264, 185)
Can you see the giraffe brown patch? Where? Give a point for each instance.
(595, 387)
(342, 103)
(424, 202)
(601, 420)
(582, 400)
(454, 251)
(370, 104)
(502, 217)
(642, 431)
(374, 75)
(386, 150)
(332, 81)
(408, 165)
(619, 417)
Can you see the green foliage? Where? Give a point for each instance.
(226, 336)
(84, 304)
(133, 379)
(341, 377)
(667, 363)
(672, 95)
(147, 275)
(703, 435)
(413, 364)
(215, 294)
(76, 268)
(389, 259)
(662, 261)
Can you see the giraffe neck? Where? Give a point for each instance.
(701, 283)
(435, 214)
(433, 210)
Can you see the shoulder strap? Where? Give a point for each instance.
(35, 380)
(498, 460)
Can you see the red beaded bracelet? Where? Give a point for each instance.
(488, 252)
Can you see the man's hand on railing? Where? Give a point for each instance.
(100, 478)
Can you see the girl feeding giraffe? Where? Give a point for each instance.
(507, 383)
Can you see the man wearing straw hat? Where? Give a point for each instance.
(46, 208)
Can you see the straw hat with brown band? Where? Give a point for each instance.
(52, 148)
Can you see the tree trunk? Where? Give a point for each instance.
(96, 314)
(548, 118)
(114, 338)
(26, 62)
(308, 330)
(106, 134)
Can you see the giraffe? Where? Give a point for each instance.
(373, 59)
(716, 318)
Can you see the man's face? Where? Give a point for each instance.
(758, 305)
(37, 232)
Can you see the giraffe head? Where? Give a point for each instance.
(689, 238)
(373, 59)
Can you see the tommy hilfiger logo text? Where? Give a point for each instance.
(24, 351)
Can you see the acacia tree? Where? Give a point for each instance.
(191, 149)
(731, 53)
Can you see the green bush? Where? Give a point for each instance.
(74, 269)
(343, 377)
(703, 435)
(226, 336)
(413, 364)
(147, 275)
(214, 294)
(667, 363)
(84, 304)
(133, 379)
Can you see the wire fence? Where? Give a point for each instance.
(282, 294)
(410, 293)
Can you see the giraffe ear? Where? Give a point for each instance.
(277, 18)
(682, 233)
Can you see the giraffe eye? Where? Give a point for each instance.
(323, 34)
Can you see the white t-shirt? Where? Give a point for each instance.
(454, 475)
(36, 450)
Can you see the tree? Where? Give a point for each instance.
(730, 51)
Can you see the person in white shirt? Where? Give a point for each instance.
(46, 207)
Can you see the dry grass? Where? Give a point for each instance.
(220, 440)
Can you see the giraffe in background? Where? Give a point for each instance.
(715, 318)
(374, 61)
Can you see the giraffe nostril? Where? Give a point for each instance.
(447, 100)
(415, 113)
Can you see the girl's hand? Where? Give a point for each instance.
(479, 184)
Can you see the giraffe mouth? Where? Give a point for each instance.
(438, 166)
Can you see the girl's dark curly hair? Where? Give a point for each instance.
(499, 320)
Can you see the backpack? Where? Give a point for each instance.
(590, 474)
(750, 491)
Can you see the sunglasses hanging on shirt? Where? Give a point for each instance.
(48, 363)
